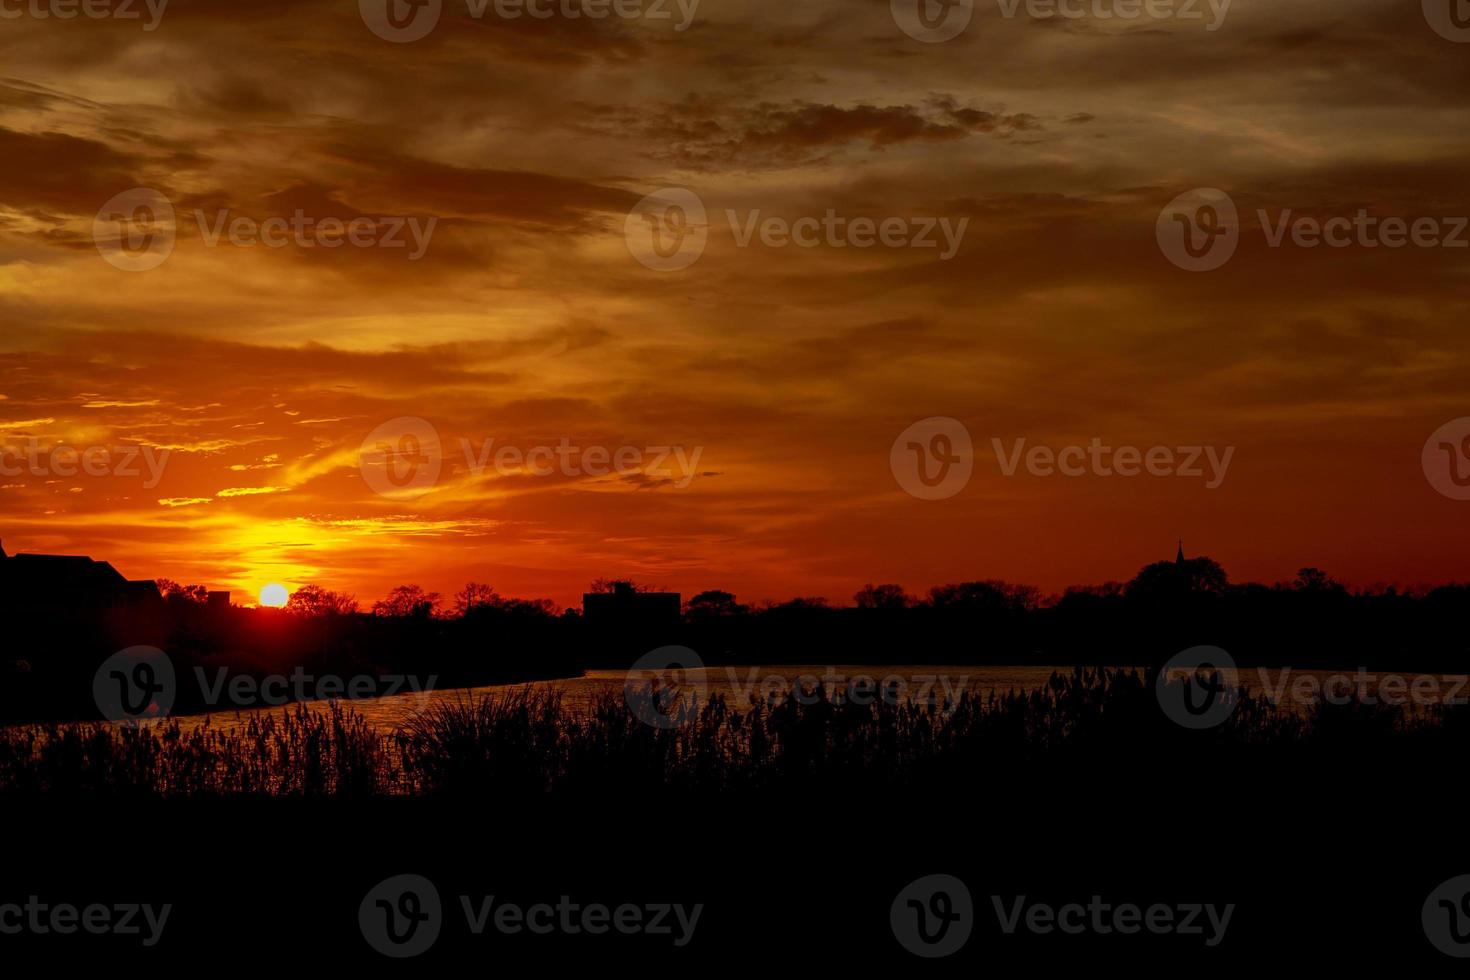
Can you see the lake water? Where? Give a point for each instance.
(739, 684)
(1293, 688)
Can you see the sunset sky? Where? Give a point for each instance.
(527, 321)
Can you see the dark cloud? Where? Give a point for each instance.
(702, 134)
(480, 192)
(61, 172)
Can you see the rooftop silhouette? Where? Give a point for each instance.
(46, 581)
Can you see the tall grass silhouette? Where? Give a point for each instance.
(529, 741)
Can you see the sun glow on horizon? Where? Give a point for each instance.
(274, 596)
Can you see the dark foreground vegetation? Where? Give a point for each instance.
(528, 743)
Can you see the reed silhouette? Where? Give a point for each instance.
(1085, 725)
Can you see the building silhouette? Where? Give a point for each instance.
(74, 582)
(627, 615)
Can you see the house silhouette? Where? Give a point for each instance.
(627, 614)
(36, 582)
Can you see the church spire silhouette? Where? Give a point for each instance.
(1179, 555)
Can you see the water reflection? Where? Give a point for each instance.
(741, 685)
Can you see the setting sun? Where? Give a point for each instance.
(274, 596)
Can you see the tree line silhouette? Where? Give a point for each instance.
(477, 636)
(1310, 621)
